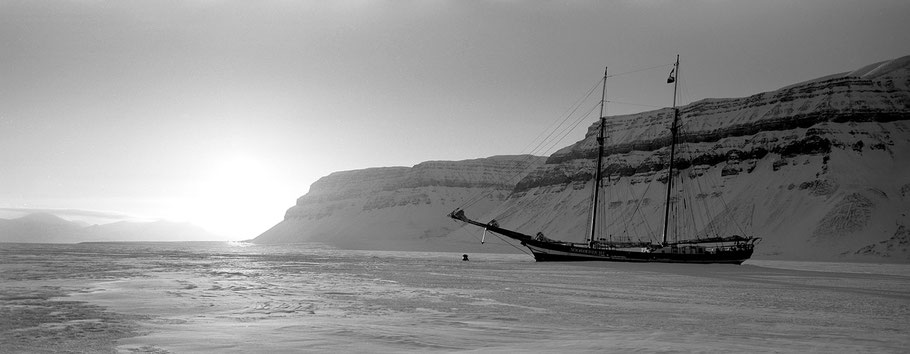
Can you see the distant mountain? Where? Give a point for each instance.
(820, 170)
(164, 231)
(38, 228)
(48, 228)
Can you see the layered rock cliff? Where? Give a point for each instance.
(818, 169)
(397, 208)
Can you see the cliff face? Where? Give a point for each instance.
(397, 207)
(818, 169)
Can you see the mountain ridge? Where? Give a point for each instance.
(49, 228)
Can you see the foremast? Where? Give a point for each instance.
(673, 132)
(600, 155)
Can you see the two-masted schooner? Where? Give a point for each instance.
(733, 249)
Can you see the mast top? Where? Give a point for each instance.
(675, 78)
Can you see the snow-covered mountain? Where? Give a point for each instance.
(398, 208)
(818, 169)
(38, 228)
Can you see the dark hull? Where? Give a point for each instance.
(558, 252)
(729, 250)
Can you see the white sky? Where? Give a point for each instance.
(222, 113)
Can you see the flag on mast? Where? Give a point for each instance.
(672, 78)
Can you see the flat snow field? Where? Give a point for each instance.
(229, 297)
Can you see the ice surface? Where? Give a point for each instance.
(191, 297)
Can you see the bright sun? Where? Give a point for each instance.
(238, 197)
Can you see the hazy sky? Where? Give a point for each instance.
(222, 113)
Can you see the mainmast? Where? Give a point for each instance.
(673, 132)
(600, 156)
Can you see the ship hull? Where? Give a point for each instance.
(558, 252)
(728, 250)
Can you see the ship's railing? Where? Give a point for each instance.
(609, 245)
(735, 239)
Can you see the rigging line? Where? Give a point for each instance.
(590, 215)
(462, 230)
(726, 207)
(686, 186)
(605, 193)
(481, 195)
(685, 90)
(631, 212)
(505, 213)
(635, 104)
(631, 215)
(725, 213)
(693, 228)
(635, 71)
(752, 218)
(627, 213)
(626, 134)
(729, 214)
(569, 129)
(636, 228)
(610, 194)
(716, 221)
(638, 207)
(537, 197)
(705, 216)
(508, 212)
(715, 227)
(559, 126)
(497, 236)
(555, 143)
(602, 215)
(514, 177)
(571, 112)
(565, 133)
(710, 222)
(510, 244)
(673, 217)
(686, 197)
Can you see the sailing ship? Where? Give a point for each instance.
(733, 249)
